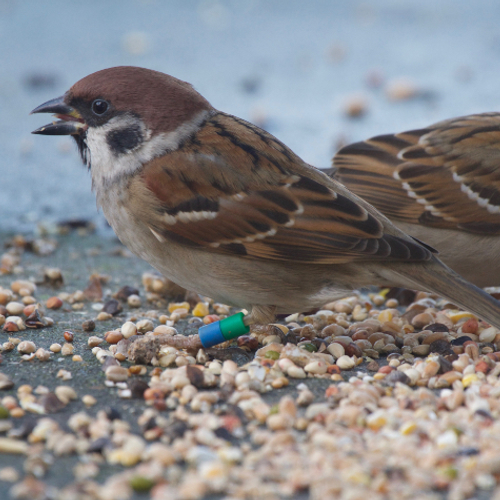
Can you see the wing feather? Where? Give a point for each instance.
(446, 175)
(249, 195)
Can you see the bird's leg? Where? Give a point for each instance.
(263, 315)
(259, 319)
(229, 328)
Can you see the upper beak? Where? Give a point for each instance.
(70, 121)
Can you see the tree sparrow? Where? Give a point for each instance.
(440, 184)
(220, 206)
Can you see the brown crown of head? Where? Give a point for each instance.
(162, 101)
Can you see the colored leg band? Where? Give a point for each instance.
(225, 329)
(211, 335)
(233, 326)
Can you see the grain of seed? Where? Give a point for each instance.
(296, 372)
(88, 326)
(19, 285)
(116, 374)
(134, 301)
(345, 362)
(68, 336)
(42, 354)
(144, 326)
(88, 400)
(103, 316)
(164, 329)
(15, 308)
(113, 337)
(9, 475)
(94, 341)
(55, 347)
(128, 329)
(65, 393)
(67, 349)
(17, 413)
(421, 350)
(26, 347)
(13, 446)
(54, 303)
(488, 334)
(336, 350)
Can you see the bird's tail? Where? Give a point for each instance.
(442, 280)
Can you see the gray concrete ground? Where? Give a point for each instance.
(79, 257)
(289, 65)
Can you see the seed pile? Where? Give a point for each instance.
(365, 397)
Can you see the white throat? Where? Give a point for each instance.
(107, 167)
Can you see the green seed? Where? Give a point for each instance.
(309, 347)
(274, 409)
(272, 355)
(449, 472)
(141, 483)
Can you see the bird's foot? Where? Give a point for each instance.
(262, 315)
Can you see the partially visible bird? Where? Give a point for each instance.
(440, 184)
(221, 207)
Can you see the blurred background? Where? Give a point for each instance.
(316, 74)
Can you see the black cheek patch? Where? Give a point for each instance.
(124, 140)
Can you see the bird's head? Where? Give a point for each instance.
(125, 111)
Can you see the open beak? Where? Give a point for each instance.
(69, 121)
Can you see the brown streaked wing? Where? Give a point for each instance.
(270, 205)
(449, 173)
(367, 169)
(454, 170)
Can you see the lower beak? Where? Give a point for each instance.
(69, 122)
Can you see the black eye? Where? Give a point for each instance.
(99, 106)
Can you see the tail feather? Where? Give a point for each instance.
(442, 280)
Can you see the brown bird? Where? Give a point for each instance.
(220, 206)
(440, 184)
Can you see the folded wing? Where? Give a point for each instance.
(270, 205)
(446, 175)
